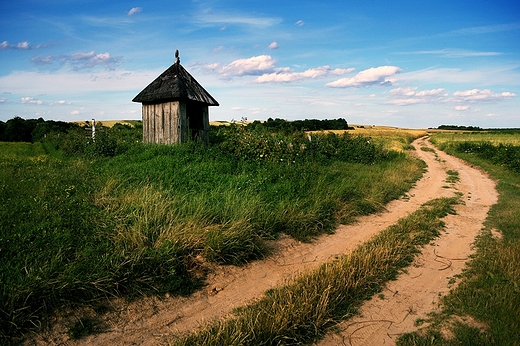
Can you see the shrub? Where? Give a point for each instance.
(507, 155)
(261, 145)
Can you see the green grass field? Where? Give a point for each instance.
(78, 229)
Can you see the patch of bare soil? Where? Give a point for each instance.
(151, 321)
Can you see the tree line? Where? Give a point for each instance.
(31, 130)
(281, 125)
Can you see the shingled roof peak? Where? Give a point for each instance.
(175, 84)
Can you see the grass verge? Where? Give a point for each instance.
(302, 311)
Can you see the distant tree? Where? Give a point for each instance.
(280, 125)
(458, 127)
(2, 130)
(17, 130)
(31, 130)
(43, 128)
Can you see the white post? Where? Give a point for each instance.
(93, 130)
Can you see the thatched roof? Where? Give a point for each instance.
(175, 84)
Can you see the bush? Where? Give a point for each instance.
(507, 155)
(284, 126)
(257, 144)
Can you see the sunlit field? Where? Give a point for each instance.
(391, 137)
(493, 137)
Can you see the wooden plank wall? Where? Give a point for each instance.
(182, 125)
(163, 123)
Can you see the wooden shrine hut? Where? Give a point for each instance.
(175, 107)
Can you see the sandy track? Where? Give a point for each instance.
(150, 321)
(417, 292)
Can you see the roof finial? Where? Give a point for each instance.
(177, 59)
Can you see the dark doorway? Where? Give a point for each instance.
(195, 118)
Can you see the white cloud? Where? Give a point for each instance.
(30, 100)
(218, 49)
(134, 10)
(273, 45)
(64, 82)
(211, 17)
(405, 102)
(498, 74)
(79, 61)
(456, 53)
(212, 67)
(60, 103)
(24, 45)
(43, 60)
(462, 108)
(404, 91)
(33, 101)
(372, 76)
(253, 66)
(287, 76)
(486, 29)
(410, 95)
(477, 95)
(413, 92)
(299, 23)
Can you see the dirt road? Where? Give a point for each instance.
(150, 321)
(417, 292)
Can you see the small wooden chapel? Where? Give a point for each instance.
(175, 107)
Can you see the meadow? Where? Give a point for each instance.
(487, 297)
(83, 224)
(88, 221)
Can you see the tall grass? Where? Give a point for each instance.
(79, 229)
(303, 310)
(489, 290)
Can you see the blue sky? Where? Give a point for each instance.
(399, 63)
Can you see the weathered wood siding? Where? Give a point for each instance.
(164, 123)
(204, 134)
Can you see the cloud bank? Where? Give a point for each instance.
(80, 61)
(265, 69)
(410, 96)
(372, 76)
(253, 66)
(24, 45)
(288, 76)
(477, 95)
